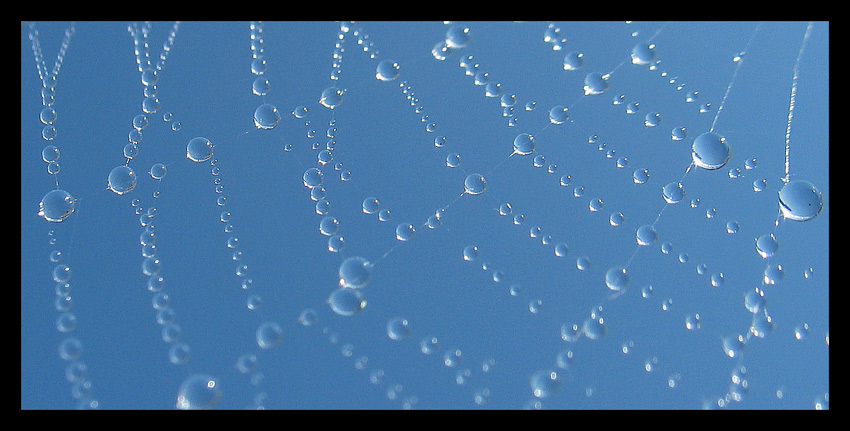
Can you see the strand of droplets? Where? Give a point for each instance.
(800, 201)
(55, 207)
(542, 382)
(710, 151)
(198, 390)
(355, 272)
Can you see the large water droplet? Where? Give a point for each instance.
(595, 83)
(545, 383)
(355, 272)
(199, 392)
(387, 70)
(646, 235)
(474, 184)
(398, 328)
(573, 61)
(199, 149)
(673, 193)
(710, 151)
(346, 302)
(331, 97)
(269, 334)
(56, 206)
(524, 144)
(766, 245)
(800, 201)
(616, 278)
(643, 54)
(122, 180)
(266, 116)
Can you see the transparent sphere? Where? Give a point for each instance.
(616, 278)
(158, 171)
(371, 205)
(199, 149)
(474, 184)
(331, 97)
(800, 201)
(398, 328)
(355, 272)
(405, 232)
(346, 302)
(559, 115)
(269, 334)
(266, 116)
(643, 54)
(710, 151)
(199, 392)
(595, 83)
(646, 235)
(545, 383)
(121, 180)
(313, 177)
(457, 37)
(387, 70)
(573, 61)
(56, 206)
(524, 144)
(673, 193)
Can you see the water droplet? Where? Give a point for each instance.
(800, 201)
(266, 116)
(646, 235)
(559, 115)
(405, 232)
(158, 171)
(773, 273)
(331, 97)
(474, 184)
(122, 180)
(717, 279)
(545, 383)
(693, 322)
(524, 144)
(387, 70)
(595, 83)
(801, 331)
(470, 253)
(766, 245)
(398, 328)
(643, 54)
(710, 151)
(355, 272)
(678, 134)
(313, 177)
(56, 206)
(673, 193)
(346, 302)
(573, 61)
(561, 249)
(199, 149)
(652, 119)
(199, 392)
(616, 278)
(616, 219)
(641, 176)
(733, 345)
(457, 37)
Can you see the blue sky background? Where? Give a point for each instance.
(382, 141)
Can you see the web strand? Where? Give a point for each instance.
(792, 103)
